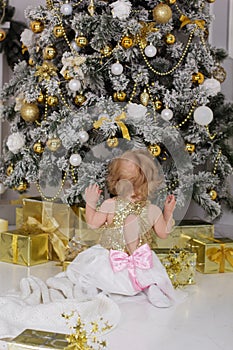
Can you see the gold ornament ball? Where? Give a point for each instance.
(81, 41)
(210, 1)
(106, 51)
(9, 170)
(190, 147)
(127, 42)
(162, 13)
(30, 112)
(52, 101)
(37, 26)
(170, 2)
(31, 62)
(40, 98)
(58, 31)
(213, 194)
(79, 100)
(220, 74)
(23, 185)
(112, 142)
(158, 105)
(38, 148)
(154, 150)
(53, 144)
(119, 96)
(66, 75)
(144, 98)
(2, 34)
(49, 53)
(170, 39)
(198, 78)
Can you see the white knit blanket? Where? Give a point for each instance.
(39, 305)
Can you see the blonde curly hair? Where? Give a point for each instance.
(134, 172)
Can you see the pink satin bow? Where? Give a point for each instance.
(141, 258)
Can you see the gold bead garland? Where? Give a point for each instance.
(188, 116)
(208, 131)
(217, 161)
(73, 174)
(52, 199)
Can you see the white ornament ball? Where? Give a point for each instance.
(75, 159)
(150, 50)
(166, 114)
(75, 46)
(212, 86)
(74, 85)
(203, 115)
(2, 188)
(116, 68)
(66, 9)
(83, 136)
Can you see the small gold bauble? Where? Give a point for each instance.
(162, 13)
(127, 42)
(30, 112)
(37, 26)
(154, 150)
(211, 1)
(158, 105)
(40, 98)
(24, 49)
(170, 39)
(112, 142)
(58, 31)
(79, 99)
(81, 41)
(31, 62)
(170, 2)
(9, 170)
(23, 185)
(213, 194)
(2, 34)
(119, 96)
(107, 50)
(144, 98)
(49, 53)
(190, 147)
(38, 148)
(220, 74)
(52, 101)
(66, 75)
(198, 78)
(53, 144)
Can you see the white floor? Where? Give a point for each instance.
(203, 321)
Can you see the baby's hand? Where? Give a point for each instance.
(92, 194)
(170, 203)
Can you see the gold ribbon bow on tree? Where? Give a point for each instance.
(185, 20)
(219, 255)
(118, 120)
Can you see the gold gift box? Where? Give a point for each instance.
(180, 265)
(213, 255)
(191, 228)
(34, 339)
(18, 217)
(43, 211)
(22, 248)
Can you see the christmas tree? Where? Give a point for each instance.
(106, 76)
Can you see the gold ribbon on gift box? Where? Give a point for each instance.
(125, 132)
(185, 20)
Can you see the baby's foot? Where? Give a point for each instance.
(156, 297)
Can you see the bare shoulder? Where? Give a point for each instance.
(108, 205)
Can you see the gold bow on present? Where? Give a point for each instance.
(219, 255)
(185, 20)
(125, 132)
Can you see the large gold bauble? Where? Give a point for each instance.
(79, 100)
(198, 78)
(106, 51)
(2, 34)
(49, 53)
(38, 148)
(127, 42)
(112, 142)
(31, 62)
(158, 105)
(119, 96)
(144, 98)
(170, 2)
(170, 39)
(162, 13)
(23, 185)
(9, 170)
(154, 150)
(41, 98)
(81, 41)
(52, 101)
(58, 31)
(30, 112)
(53, 144)
(213, 194)
(190, 147)
(37, 26)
